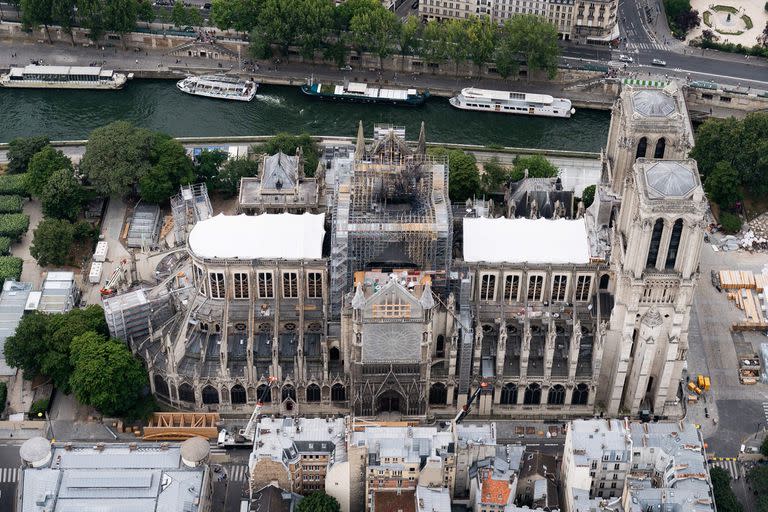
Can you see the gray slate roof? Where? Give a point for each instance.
(653, 103)
(669, 179)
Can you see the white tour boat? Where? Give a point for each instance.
(486, 100)
(219, 86)
(63, 77)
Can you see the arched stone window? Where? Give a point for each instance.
(338, 393)
(532, 394)
(509, 394)
(210, 395)
(237, 395)
(440, 346)
(186, 393)
(289, 392)
(334, 354)
(674, 245)
(642, 147)
(264, 394)
(438, 394)
(653, 248)
(580, 395)
(605, 281)
(661, 145)
(161, 387)
(313, 393)
(556, 395)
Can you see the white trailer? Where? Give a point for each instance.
(100, 254)
(94, 276)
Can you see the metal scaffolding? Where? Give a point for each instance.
(191, 206)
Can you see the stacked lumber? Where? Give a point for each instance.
(735, 279)
(761, 282)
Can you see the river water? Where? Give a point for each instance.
(158, 105)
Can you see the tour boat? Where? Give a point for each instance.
(219, 86)
(358, 92)
(63, 77)
(485, 100)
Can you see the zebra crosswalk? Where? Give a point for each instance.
(730, 465)
(765, 412)
(646, 46)
(238, 473)
(9, 475)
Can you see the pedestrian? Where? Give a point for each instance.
(137, 61)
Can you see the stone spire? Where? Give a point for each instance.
(360, 144)
(358, 301)
(421, 148)
(426, 300)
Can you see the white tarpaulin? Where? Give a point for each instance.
(283, 235)
(525, 240)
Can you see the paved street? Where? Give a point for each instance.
(9, 473)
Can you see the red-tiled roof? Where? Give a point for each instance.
(495, 491)
(390, 501)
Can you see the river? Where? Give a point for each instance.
(158, 105)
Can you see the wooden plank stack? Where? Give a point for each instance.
(734, 279)
(746, 290)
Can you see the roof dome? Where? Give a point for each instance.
(669, 179)
(194, 451)
(36, 451)
(653, 103)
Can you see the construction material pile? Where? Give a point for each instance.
(746, 289)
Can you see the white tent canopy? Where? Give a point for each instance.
(267, 236)
(525, 240)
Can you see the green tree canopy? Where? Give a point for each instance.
(463, 175)
(116, 157)
(179, 15)
(23, 349)
(207, 165)
(351, 8)
(377, 30)
(434, 42)
(533, 39)
(172, 168)
(52, 242)
(120, 15)
(315, 20)
(241, 15)
(480, 39)
(410, 36)
(494, 175)
(105, 374)
(277, 22)
(588, 196)
(37, 12)
(144, 11)
(228, 180)
(42, 166)
(537, 166)
(63, 195)
(21, 151)
(723, 185)
(288, 143)
(318, 502)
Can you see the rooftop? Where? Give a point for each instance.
(591, 439)
(13, 302)
(113, 477)
(525, 241)
(432, 499)
(268, 236)
(395, 501)
(653, 103)
(670, 179)
(284, 439)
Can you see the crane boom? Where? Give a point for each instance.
(484, 386)
(250, 428)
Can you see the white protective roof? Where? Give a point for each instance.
(525, 240)
(267, 236)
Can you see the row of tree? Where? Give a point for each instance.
(365, 25)
(74, 350)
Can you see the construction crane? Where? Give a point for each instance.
(244, 437)
(484, 387)
(118, 275)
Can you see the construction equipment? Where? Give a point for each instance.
(749, 368)
(244, 437)
(693, 387)
(707, 383)
(483, 387)
(118, 276)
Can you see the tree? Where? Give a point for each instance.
(120, 16)
(288, 143)
(730, 222)
(105, 374)
(207, 165)
(722, 185)
(179, 15)
(480, 40)
(276, 22)
(23, 349)
(194, 17)
(62, 196)
(315, 21)
(434, 42)
(91, 13)
(536, 165)
(764, 447)
(376, 30)
(21, 151)
(228, 181)
(172, 168)
(532, 38)
(410, 37)
(463, 175)
(61, 330)
(318, 502)
(52, 242)
(144, 11)
(725, 500)
(588, 196)
(116, 157)
(494, 175)
(42, 166)
(456, 43)
(242, 15)
(37, 12)
(63, 14)
(351, 8)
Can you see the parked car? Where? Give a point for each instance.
(346, 68)
(625, 58)
(658, 62)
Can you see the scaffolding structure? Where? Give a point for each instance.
(391, 206)
(191, 206)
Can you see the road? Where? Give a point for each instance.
(9, 473)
